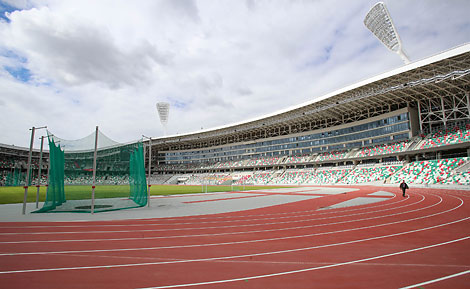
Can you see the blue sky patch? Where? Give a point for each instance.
(11, 54)
(20, 73)
(178, 104)
(4, 7)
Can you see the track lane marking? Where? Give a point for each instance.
(436, 280)
(309, 269)
(216, 227)
(225, 243)
(218, 234)
(145, 222)
(235, 256)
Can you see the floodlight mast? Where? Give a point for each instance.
(379, 22)
(163, 109)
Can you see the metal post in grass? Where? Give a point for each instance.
(150, 169)
(28, 169)
(94, 173)
(38, 186)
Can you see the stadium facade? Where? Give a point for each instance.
(418, 112)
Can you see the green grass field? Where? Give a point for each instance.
(11, 195)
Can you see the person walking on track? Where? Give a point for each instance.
(403, 187)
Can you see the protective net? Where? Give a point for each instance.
(120, 181)
(16, 178)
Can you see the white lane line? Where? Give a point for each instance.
(229, 233)
(308, 269)
(191, 223)
(225, 243)
(218, 244)
(225, 233)
(151, 221)
(234, 256)
(437, 280)
(215, 227)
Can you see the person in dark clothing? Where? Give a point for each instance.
(403, 187)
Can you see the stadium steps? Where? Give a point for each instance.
(463, 168)
(173, 180)
(344, 176)
(277, 175)
(352, 153)
(415, 143)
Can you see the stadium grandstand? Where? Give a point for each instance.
(411, 123)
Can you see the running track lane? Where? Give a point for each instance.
(339, 254)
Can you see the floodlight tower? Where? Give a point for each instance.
(163, 109)
(379, 22)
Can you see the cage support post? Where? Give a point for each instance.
(39, 173)
(150, 171)
(94, 173)
(28, 169)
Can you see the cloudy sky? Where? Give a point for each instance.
(72, 65)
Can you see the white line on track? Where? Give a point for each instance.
(216, 227)
(315, 212)
(436, 280)
(225, 243)
(250, 277)
(225, 233)
(308, 269)
(235, 256)
(218, 244)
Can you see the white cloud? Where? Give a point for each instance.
(108, 62)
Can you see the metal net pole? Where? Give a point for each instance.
(28, 170)
(150, 171)
(39, 173)
(94, 173)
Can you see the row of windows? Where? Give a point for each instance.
(315, 142)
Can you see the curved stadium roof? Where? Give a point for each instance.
(445, 73)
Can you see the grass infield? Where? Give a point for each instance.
(11, 195)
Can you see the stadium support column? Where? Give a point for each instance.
(419, 117)
(467, 95)
(94, 173)
(444, 117)
(28, 169)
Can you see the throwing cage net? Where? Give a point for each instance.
(94, 174)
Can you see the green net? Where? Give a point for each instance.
(120, 181)
(15, 178)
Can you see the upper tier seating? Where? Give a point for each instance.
(446, 137)
(333, 155)
(383, 149)
(269, 161)
(297, 159)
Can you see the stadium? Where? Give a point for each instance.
(411, 124)
(305, 197)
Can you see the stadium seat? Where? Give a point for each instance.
(428, 172)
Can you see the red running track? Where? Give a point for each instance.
(419, 241)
